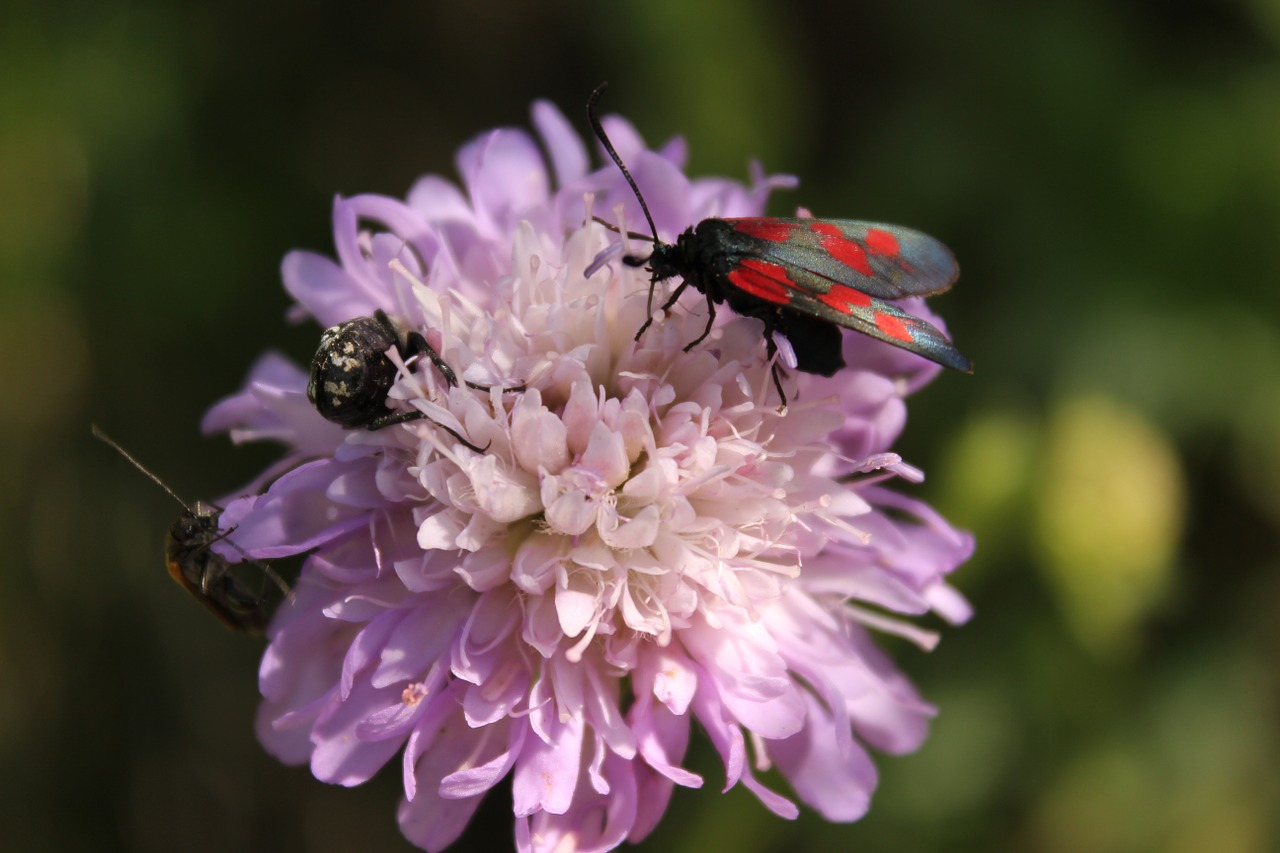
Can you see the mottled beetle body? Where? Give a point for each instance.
(352, 374)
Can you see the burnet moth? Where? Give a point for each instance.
(202, 571)
(804, 278)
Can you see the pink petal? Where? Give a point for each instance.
(546, 774)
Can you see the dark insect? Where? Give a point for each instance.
(804, 278)
(351, 374)
(199, 569)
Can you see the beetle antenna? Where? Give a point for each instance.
(102, 436)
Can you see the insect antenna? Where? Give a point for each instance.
(598, 128)
(616, 230)
(102, 436)
(267, 571)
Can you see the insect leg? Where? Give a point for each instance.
(393, 418)
(665, 307)
(416, 345)
(771, 350)
(711, 318)
(211, 576)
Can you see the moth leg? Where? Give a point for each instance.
(711, 318)
(666, 306)
(771, 350)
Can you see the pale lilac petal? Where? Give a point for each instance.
(948, 603)
(827, 768)
(273, 406)
(638, 539)
(534, 566)
(340, 755)
(539, 438)
(326, 290)
(480, 775)
(546, 774)
(407, 224)
(423, 636)
(725, 735)
(653, 794)
(350, 244)
(568, 153)
(751, 678)
(770, 799)
(576, 607)
(504, 174)
(605, 717)
(427, 819)
(675, 679)
(662, 738)
(595, 823)
(502, 494)
(366, 648)
(439, 201)
(434, 726)
(892, 718)
(294, 515)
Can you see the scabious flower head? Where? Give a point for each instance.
(645, 540)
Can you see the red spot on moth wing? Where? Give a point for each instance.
(762, 279)
(894, 327)
(764, 228)
(882, 242)
(844, 298)
(840, 247)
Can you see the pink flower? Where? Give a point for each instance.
(644, 542)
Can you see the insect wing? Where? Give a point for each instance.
(234, 606)
(209, 576)
(882, 261)
(803, 291)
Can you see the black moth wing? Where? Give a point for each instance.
(770, 260)
(884, 261)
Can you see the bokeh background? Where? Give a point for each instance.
(1107, 171)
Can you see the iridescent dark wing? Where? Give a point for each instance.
(849, 302)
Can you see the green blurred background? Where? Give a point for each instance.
(1107, 172)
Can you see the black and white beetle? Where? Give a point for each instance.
(351, 374)
(203, 572)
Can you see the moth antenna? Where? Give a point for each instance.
(102, 436)
(594, 119)
(616, 230)
(613, 154)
